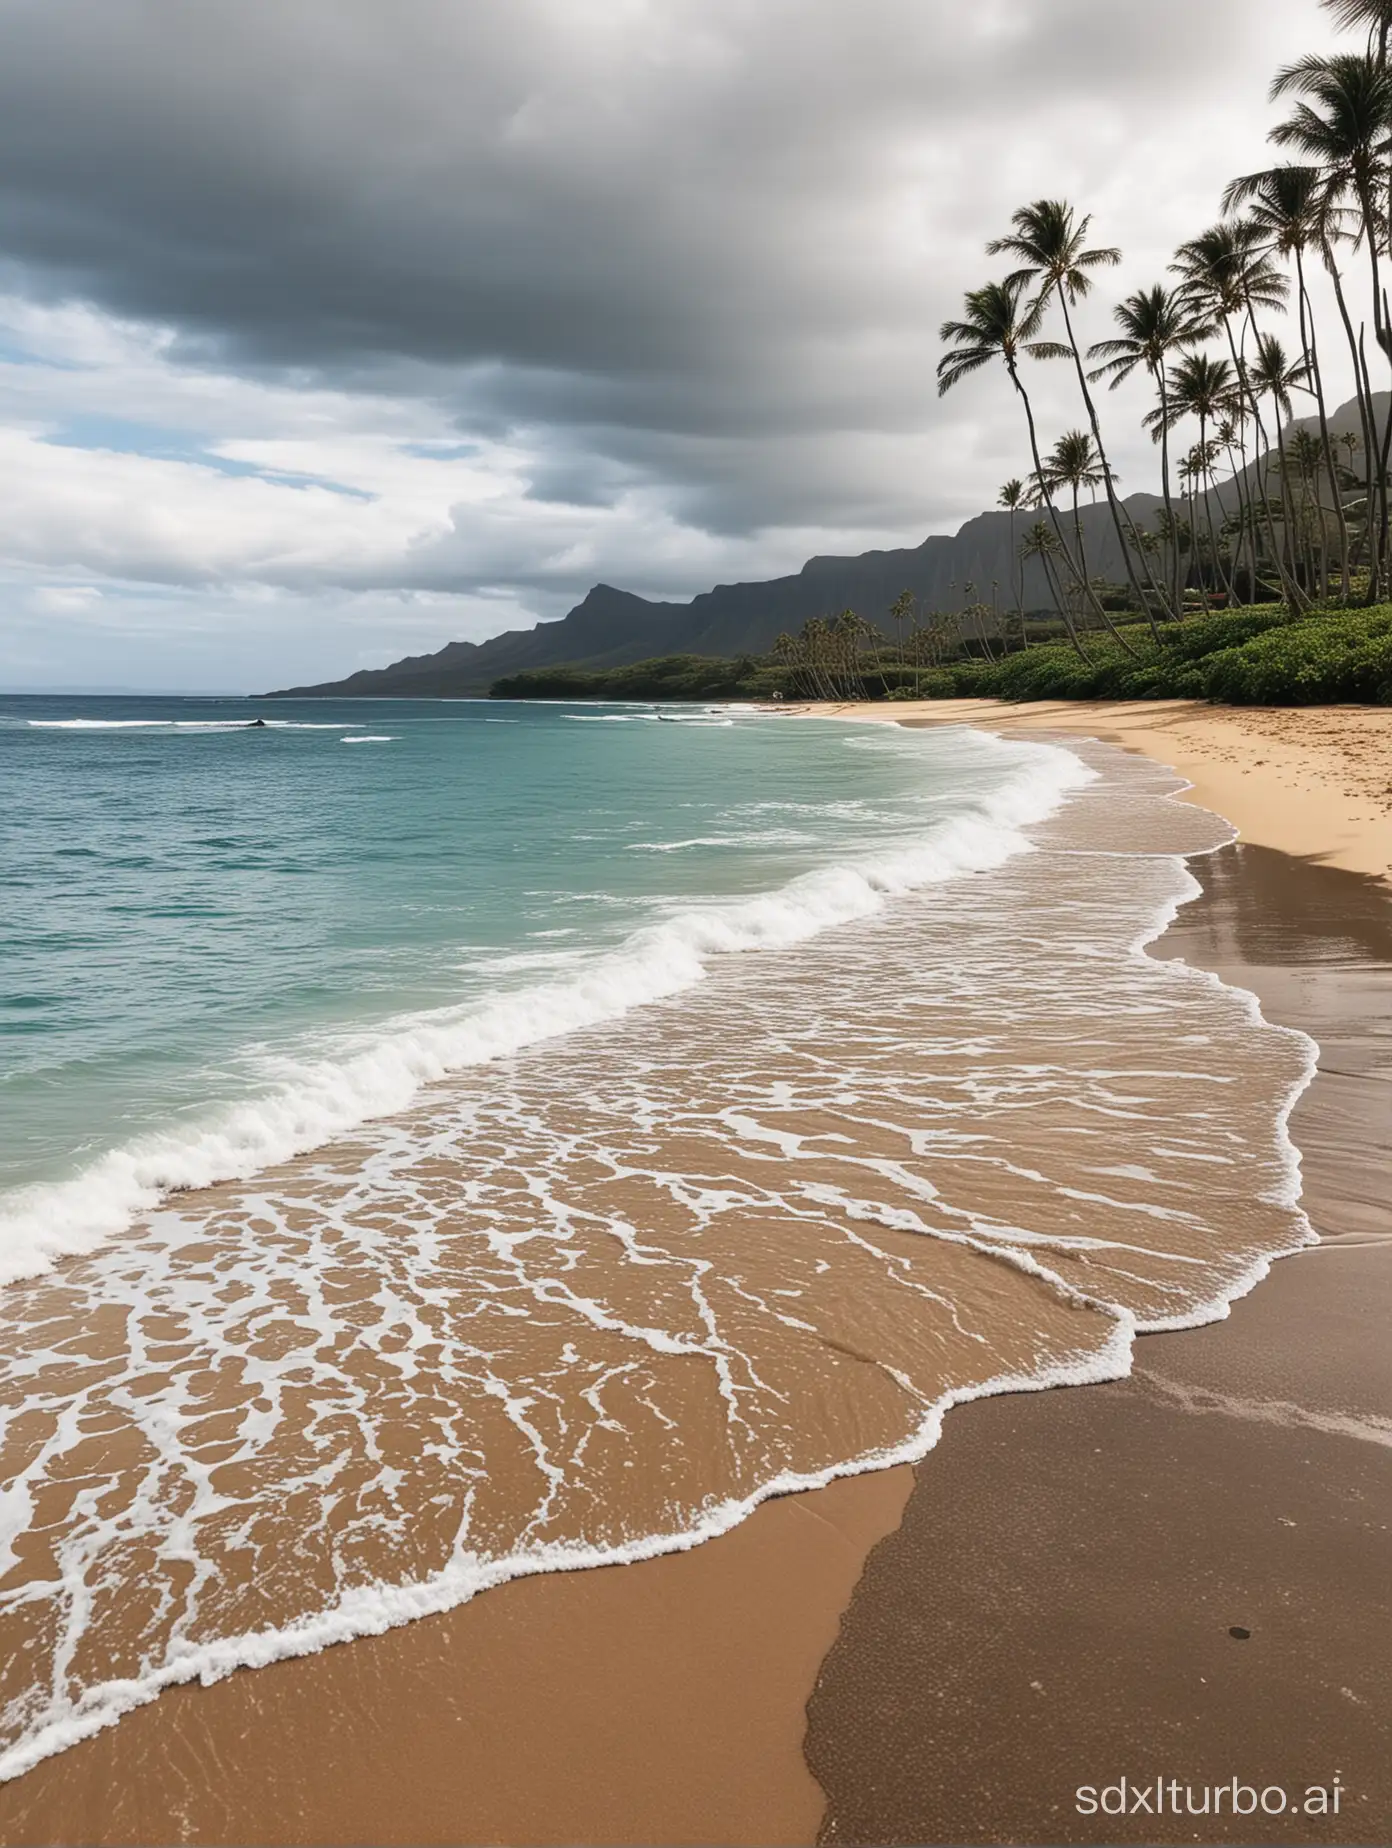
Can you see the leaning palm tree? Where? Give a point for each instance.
(1291, 208)
(1050, 241)
(998, 325)
(1227, 274)
(1343, 123)
(1155, 323)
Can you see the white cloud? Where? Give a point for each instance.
(352, 328)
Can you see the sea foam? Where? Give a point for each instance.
(319, 1099)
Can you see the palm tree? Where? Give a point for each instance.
(899, 610)
(1193, 473)
(1155, 323)
(1344, 128)
(1376, 15)
(1201, 387)
(1051, 243)
(1227, 275)
(1290, 207)
(1013, 497)
(1342, 123)
(998, 325)
(1043, 543)
(1274, 377)
(1303, 457)
(1073, 463)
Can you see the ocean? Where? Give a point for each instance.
(529, 1137)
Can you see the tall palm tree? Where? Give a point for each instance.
(1343, 123)
(900, 611)
(1275, 377)
(998, 324)
(1290, 207)
(1073, 463)
(1304, 457)
(1013, 496)
(1204, 388)
(1050, 241)
(1155, 323)
(1227, 275)
(1043, 543)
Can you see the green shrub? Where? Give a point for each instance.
(1261, 656)
(1320, 659)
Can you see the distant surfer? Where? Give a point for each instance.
(253, 723)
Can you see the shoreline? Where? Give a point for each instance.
(1326, 795)
(775, 1798)
(1221, 1612)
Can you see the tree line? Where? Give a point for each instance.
(1253, 509)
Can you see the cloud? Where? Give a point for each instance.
(486, 301)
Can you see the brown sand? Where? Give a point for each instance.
(654, 1703)
(659, 1702)
(1314, 781)
(1055, 1609)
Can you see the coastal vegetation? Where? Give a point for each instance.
(1263, 655)
(1267, 574)
(1259, 507)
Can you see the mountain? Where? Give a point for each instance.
(611, 628)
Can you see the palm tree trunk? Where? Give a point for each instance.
(1312, 360)
(1365, 414)
(1043, 488)
(1288, 589)
(1112, 502)
(1176, 590)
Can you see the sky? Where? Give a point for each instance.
(332, 331)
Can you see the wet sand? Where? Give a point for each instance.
(1056, 1608)
(659, 1702)
(1313, 781)
(663, 1701)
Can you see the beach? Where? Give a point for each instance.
(1238, 1480)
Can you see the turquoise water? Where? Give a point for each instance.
(196, 912)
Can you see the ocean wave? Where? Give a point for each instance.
(767, 837)
(186, 725)
(319, 1099)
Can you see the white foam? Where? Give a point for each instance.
(672, 951)
(185, 725)
(317, 1100)
(371, 738)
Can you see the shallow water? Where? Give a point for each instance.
(922, 1122)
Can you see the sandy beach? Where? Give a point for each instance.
(997, 1652)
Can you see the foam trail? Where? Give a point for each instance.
(322, 1099)
(739, 1247)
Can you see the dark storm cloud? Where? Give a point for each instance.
(333, 329)
(711, 218)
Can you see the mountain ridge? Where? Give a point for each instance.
(610, 627)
